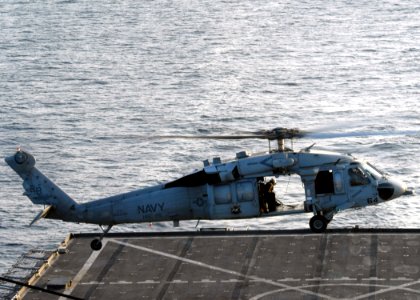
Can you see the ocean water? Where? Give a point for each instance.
(85, 84)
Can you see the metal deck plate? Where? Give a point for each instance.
(247, 265)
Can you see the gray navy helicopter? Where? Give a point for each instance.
(236, 189)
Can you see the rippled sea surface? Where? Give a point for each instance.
(84, 83)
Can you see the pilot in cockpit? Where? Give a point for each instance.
(357, 177)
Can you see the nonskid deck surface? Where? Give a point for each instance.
(368, 264)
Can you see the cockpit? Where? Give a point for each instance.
(363, 173)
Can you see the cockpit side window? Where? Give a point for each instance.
(357, 177)
(373, 171)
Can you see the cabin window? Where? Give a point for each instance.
(245, 191)
(324, 182)
(222, 194)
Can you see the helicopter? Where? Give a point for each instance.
(236, 189)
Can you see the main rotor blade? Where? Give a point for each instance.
(211, 137)
(272, 134)
(286, 133)
(333, 135)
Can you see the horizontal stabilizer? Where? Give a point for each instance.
(42, 214)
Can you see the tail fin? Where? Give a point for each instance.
(38, 188)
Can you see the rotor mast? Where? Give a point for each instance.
(280, 145)
(280, 134)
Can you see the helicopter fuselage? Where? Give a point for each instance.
(227, 190)
(332, 182)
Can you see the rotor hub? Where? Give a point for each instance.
(281, 133)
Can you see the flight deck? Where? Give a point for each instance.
(222, 264)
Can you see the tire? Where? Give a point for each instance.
(96, 245)
(318, 224)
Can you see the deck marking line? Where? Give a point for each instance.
(390, 289)
(82, 272)
(268, 281)
(214, 268)
(257, 297)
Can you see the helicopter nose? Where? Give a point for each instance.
(391, 189)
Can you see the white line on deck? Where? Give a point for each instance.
(214, 268)
(82, 272)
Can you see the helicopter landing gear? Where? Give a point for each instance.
(96, 244)
(318, 223)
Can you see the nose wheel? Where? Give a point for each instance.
(318, 223)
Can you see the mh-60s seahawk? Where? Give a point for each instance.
(236, 189)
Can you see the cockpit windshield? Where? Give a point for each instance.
(372, 170)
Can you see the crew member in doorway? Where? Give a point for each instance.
(261, 194)
(270, 196)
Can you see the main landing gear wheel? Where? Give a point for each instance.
(96, 245)
(318, 223)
